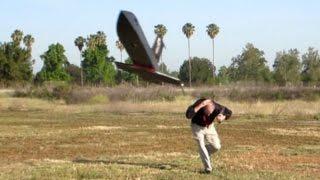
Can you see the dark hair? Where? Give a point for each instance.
(227, 112)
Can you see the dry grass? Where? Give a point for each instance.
(277, 108)
(152, 140)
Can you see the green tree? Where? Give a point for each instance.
(223, 75)
(75, 73)
(17, 36)
(287, 67)
(79, 42)
(97, 66)
(126, 76)
(212, 31)
(311, 67)
(15, 61)
(201, 70)
(54, 64)
(188, 30)
(250, 65)
(28, 40)
(160, 30)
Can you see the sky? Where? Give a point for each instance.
(271, 25)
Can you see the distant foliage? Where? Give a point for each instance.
(201, 70)
(287, 67)
(163, 68)
(250, 65)
(55, 65)
(16, 61)
(311, 67)
(97, 66)
(75, 73)
(224, 75)
(127, 76)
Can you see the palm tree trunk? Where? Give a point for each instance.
(120, 70)
(161, 63)
(120, 56)
(189, 63)
(213, 65)
(81, 72)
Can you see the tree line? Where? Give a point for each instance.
(97, 68)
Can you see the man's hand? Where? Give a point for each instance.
(220, 118)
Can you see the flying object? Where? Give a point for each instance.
(143, 57)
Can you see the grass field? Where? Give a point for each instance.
(152, 140)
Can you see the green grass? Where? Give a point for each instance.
(60, 142)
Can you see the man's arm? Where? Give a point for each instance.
(193, 109)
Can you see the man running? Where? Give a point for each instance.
(203, 113)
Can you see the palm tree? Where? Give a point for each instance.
(91, 41)
(28, 40)
(17, 36)
(79, 42)
(101, 38)
(120, 47)
(160, 30)
(188, 30)
(213, 30)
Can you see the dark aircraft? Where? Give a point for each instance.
(144, 58)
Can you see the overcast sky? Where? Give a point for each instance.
(271, 25)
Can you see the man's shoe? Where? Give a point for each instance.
(206, 171)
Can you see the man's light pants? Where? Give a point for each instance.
(208, 142)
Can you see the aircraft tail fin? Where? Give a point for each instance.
(157, 48)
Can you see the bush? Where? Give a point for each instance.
(76, 94)
(49, 90)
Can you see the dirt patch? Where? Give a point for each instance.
(101, 128)
(169, 127)
(310, 131)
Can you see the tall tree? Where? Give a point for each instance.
(55, 64)
(17, 36)
(188, 30)
(160, 30)
(223, 75)
(79, 42)
(120, 47)
(28, 40)
(97, 65)
(120, 74)
(15, 61)
(75, 73)
(201, 70)
(127, 76)
(311, 67)
(287, 67)
(212, 31)
(250, 65)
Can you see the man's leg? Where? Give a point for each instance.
(212, 140)
(198, 133)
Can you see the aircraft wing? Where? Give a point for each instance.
(149, 74)
(134, 41)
